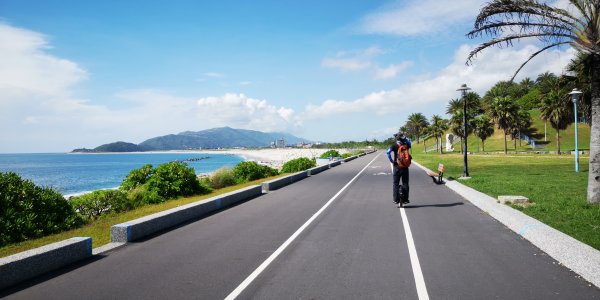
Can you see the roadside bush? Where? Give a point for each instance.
(330, 153)
(29, 211)
(298, 164)
(97, 203)
(346, 155)
(137, 177)
(221, 178)
(141, 196)
(175, 179)
(251, 170)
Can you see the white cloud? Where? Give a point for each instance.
(430, 95)
(345, 64)
(406, 18)
(391, 71)
(240, 111)
(363, 60)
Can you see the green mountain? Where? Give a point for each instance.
(224, 137)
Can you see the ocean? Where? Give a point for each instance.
(79, 173)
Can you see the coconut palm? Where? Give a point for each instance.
(437, 128)
(416, 124)
(502, 110)
(507, 21)
(483, 129)
(580, 67)
(556, 108)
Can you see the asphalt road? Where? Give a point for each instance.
(334, 235)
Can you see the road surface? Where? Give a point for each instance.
(334, 235)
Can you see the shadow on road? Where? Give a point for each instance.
(49, 275)
(435, 205)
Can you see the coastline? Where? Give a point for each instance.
(274, 158)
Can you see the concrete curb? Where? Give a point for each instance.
(28, 264)
(573, 254)
(283, 181)
(138, 228)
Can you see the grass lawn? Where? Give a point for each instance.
(549, 181)
(99, 230)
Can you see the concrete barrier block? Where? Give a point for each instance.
(334, 164)
(347, 159)
(138, 228)
(283, 181)
(29, 264)
(317, 170)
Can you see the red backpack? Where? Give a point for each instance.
(403, 158)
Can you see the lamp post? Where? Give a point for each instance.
(463, 88)
(575, 94)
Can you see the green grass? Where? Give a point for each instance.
(549, 181)
(99, 230)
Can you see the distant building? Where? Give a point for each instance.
(281, 143)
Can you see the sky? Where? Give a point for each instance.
(79, 74)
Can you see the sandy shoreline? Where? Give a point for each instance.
(272, 157)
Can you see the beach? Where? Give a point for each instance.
(274, 157)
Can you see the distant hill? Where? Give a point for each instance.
(223, 137)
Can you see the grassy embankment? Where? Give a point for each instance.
(549, 181)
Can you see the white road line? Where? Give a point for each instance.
(414, 258)
(281, 248)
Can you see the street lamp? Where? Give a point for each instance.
(463, 88)
(575, 94)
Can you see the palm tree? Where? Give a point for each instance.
(484, 128)
(557, 109)
(580, 67)
(416, 123)
(507, 21)
(521, 121)
(502, 110)
(437, 128)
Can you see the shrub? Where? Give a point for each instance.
(250, 170)
(330, 153)
(97, 203)
(221, 178)
(137, 177)
(175, 179)
(298, 164)
(29, 211)
(141, 196)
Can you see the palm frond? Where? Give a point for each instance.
(534, 55)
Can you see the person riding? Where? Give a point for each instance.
(400, 192)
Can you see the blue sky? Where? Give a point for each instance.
(83, 73)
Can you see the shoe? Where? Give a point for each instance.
(405, 201)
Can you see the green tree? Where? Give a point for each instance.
(506, 21)
(556, 108)
(416, 123)
(437, 128)
(483, 129)
(502, 110)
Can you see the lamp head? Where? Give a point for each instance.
(575, 94)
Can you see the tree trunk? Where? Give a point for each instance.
(557, 141)
(482, 145)
(593, 190)
(505, 146)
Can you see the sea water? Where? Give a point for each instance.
(78, 173)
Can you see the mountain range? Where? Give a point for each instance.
(223, 137)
